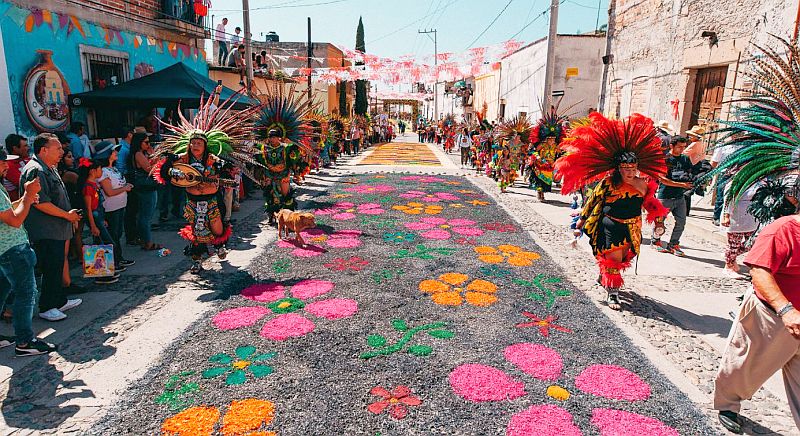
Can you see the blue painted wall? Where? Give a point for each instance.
(21, 56)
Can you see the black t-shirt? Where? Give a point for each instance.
(679, 169)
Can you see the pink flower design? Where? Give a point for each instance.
(440, 228)
(423, 179)
(397, 401)
(317, 241)
(500, 227)
(345, 210)
(288, 323)
(371, 189)
(354, 263)
(429, 198)
(481, 383)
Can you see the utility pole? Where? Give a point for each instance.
(608, 58)
(551, 55)
(248, 51)
(435, 62)
(308, 64)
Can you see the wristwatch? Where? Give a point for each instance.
(785, 309)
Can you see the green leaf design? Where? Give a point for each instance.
(376, 341)
(187, 373)
(441, 334)
(237, 377)
(399, 325)
(245, 351)
(420, 350)
(259, 371)
(214, 372)
(262, 357)
(535, 296)
(221, 358)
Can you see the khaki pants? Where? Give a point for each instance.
(758, 346)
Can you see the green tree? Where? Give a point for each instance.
(343, 99)
(361, 85)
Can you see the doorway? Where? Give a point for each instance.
(709, 92)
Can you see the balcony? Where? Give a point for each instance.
(181, 15)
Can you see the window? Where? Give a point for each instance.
(103, 68)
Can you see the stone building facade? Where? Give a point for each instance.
(680, 61)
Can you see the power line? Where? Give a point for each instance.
(285, 5)
(490, 25)
(410, 24)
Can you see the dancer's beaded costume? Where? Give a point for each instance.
(545, 150)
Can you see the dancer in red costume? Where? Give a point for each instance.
(625, 157)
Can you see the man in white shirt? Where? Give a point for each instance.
(222, 40)
(236, 39)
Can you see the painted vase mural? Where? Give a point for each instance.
(45, 95)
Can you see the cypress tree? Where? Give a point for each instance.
(361, 85)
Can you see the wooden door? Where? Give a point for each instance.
(708, 96)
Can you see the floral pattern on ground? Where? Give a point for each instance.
(541, 292)
(381, 347)
(423, 252)
(371, 189)
(423, 179)
(435, 197)
(417, 208)
(395, 401)
(500, 227)
(288, 323)
(511, 254)
(244, 361)
(480, 383)
(318, 241)
(353, 263)
(451, 289)
(179, 392)
(345, 210)
(241, 417)
(441, 229)
(543, 324)
(399, 237)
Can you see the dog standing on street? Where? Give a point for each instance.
(295, 222)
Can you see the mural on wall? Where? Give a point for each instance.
(45, 95)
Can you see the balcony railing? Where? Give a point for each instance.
(184, 11)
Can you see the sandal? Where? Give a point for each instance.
(152, 247)
(196, 267)
(613, 301)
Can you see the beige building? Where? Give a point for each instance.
(680, 61)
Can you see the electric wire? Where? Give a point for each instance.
(490, 25)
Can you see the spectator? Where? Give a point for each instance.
(50, 225)
(664, 131)
(236, 38)
(17, 146)
(766, 334)
(66, 170)
(17, 261)
(222, 40)
(464, 142)
(124, 150)
(78, 141)
(145, 187)
(696, 151)
(671, 193)
(89, 171)
(115, 193)
(236, 60)
(356, 137)
(740, 226)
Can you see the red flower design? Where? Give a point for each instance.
(396, 401)
(467, 241)
(500, 227)
(544, 324)
(354, 263)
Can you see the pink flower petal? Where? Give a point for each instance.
(311, 288)
(287, 325)
(438, 234)
(461, 222)
(346, 234)
(310, 233)
(334, 308)
(344, 205)
(613, 382)
(372, 211)
(476, 382)
(264, 292)
(326, 211)
(431, 199)
(434, 220)
(419, 226)
(398, 411)
(543, 420)
(286, 244)
(447, 196)
(468, 231)
(536, 360)
(620, 423)
(239, 317)
(344, 243)
(308, 251)
(344, 216)
(378, 407)
(381, 391)
(401, 391)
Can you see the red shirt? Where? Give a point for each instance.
(12, 176)
(90, 190)
(777, 249)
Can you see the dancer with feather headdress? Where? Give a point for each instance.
(192, 156)
(545, 139)
(615, 153)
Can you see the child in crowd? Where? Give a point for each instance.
(88, 172)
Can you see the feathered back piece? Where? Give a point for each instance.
(517, 126)
(594, 150)
(282, 110)
(225, 131)
(550, 125)
(766, 131)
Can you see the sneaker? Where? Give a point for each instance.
(655, 244)
(676, 250)
(53, 315)
(662, 248)
(119, 269)
(197, 266)
(6, 341)
(127, 263)
(222, 253)
(71, 304)
(731, 421)
(34, 347)
(106, 280)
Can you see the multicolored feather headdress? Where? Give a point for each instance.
(595, 150)
(766, 130)
(550, 125)
(284, 111)
(517, 126)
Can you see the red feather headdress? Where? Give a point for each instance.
(593, 150)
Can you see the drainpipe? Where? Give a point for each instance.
(609, 35)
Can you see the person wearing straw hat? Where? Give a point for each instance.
(664, 131)
(696, 152)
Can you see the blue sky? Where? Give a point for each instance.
(391, 26)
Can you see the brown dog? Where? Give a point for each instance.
(295, 222)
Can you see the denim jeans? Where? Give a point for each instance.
(115, 221)
(223, 53)
(50, 254)
(131, 213)
(170, 195)
(677, 207)
(147, 208)
(16, 275)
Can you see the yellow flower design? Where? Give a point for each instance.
(478, 202)
(457, 205)
(416, 208)
(506, 253)
(342, 195)
(449, 290)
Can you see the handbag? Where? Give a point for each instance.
(98, 260)
(144, 181)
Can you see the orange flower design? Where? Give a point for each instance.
(449, 290)
(506, 253)
(242, 417)
(416, 208)
(478, 202)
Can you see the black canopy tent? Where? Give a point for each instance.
(165, 88)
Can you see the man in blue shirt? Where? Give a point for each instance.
(124, 150)
(79, 142)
